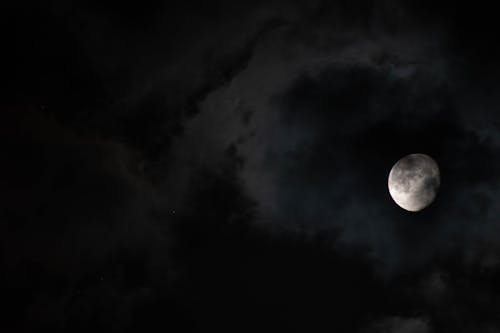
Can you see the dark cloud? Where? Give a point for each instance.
(353, 123)
(402, 325)
(223, 166)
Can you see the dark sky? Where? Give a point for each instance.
(222, 166)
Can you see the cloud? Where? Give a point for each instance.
(326, 124)
(240, 154)
(401, 325)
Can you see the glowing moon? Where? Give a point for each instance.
(414, 181)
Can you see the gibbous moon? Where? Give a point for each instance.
(414, 181)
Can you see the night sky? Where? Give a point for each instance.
(222, 166)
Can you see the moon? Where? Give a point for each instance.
(414, 182)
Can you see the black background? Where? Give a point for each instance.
(222, 166)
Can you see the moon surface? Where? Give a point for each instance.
(414, 181)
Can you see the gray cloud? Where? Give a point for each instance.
(401, 325)
(226, 132)
(320, 115)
